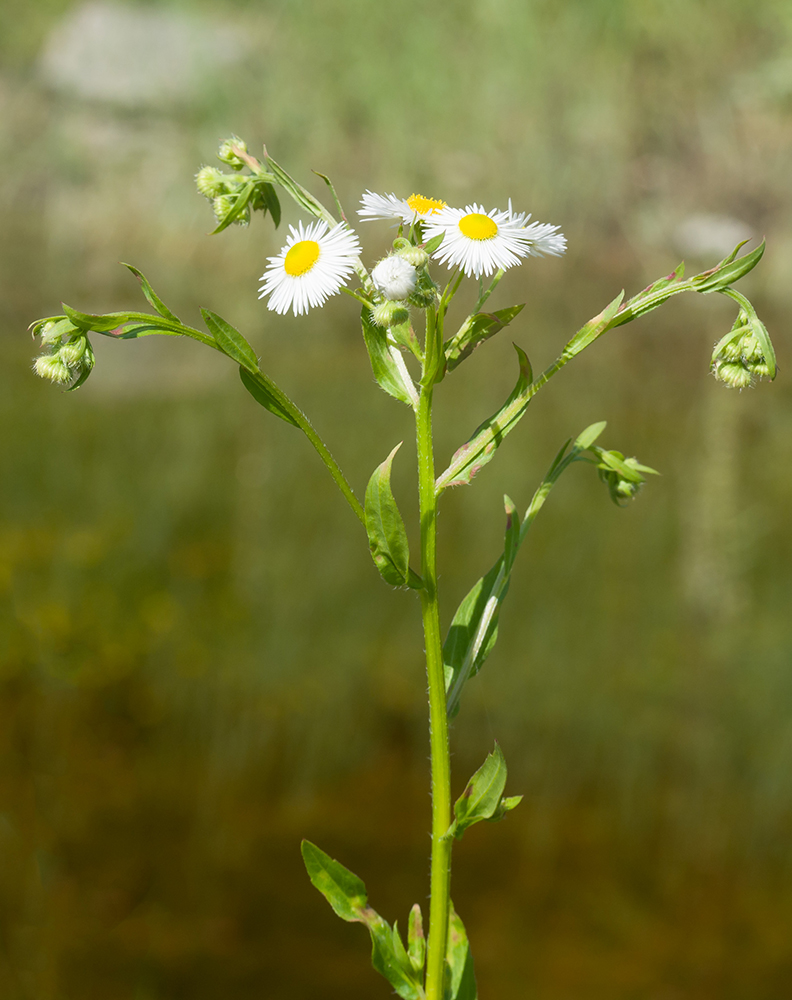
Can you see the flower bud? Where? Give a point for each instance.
(227, 154)
(734, 374)
(416, 256)
(425, 294)
(760, 368)
(210, 182)
(72, 352)
(390, 313)
(751, 349)
(50, 367)
(49, 334)
(395, 278)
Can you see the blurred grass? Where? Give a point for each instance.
(199, 664)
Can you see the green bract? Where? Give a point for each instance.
(409, 369)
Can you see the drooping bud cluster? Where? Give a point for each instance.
(740, 356)
(623, 476)
(223, 189)
(67, 357)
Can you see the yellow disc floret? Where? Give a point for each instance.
(477, 226)
(424, 206)
(301, 258)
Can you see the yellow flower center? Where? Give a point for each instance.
(301, 257)
(477, 226)
(424, 206)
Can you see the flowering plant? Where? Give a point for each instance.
(317, 261)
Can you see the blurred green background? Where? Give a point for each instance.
(200, 664)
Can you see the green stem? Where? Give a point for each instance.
(441, 765)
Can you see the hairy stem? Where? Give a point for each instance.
(441, 766)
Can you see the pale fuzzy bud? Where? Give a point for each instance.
(425, 294)
(731, 351)
(750, 348)
(71, 354)
(227, 155)
(415, 256)
(222, 205)
(395, 277)
(733, 374)
(389, 313)
(50, 367)
(210, 182)
(49, 334)
(760, 368)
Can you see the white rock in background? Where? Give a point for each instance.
(136, 57)
(710, 235)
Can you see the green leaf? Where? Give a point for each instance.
(434, 243)
(260, 391)
(270, 198)
(474, 331)
(385, 369)
(483, 797)
(342, 889)
(237, 207)
(230, 341)
(460, 977)
(416, 942)
(474, 628)
(152, 296)
(346, 893)
(385, 527)
(329, 183)
(729, 270)
(593, 329)
(488, 437)
(303, 197)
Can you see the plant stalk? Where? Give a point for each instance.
(441, 765)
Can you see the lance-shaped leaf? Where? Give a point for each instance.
(474, 331)
(260, 390)
(488, 437)
(474, 628)
(416, 942)
(152, 296)
(342, 889)
(388, 373)
(238, 204)
(346, 893)
(386, 532)
(303, 197)
(483, 797)
(460, 975)
(230, 341)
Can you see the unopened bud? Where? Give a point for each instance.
(416, 256)
(395, 277)
(389, 313)
(731, 351)
(49, 334)
(210, 182)
(50, 367)
(733, 374)
(750, 348)
(425, 294)
(760, 368)
(71, 354)
(227, 155)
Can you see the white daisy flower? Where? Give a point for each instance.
(483, 242)
(312, 266)
(395, 277)
(416, 208)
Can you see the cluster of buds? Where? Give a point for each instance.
(623, 476)
(223, 189)
(741, 356)
(66, 358)
(401, 279)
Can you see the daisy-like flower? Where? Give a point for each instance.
(416, 208)
(482, 242)
(313, 265)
